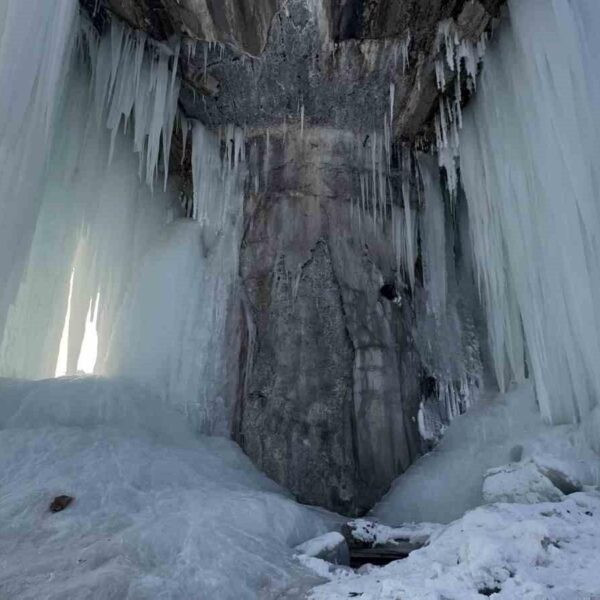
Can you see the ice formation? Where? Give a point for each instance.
(498, 430)
(527, 165)
(92, 233)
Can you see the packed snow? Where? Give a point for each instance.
(159, 512)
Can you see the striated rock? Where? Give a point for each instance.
(330, 397)
(243, 23)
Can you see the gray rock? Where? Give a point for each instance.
(331, 382)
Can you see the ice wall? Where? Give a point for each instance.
(86, 123)
(77, 202)
(176, 331)
(528, 167)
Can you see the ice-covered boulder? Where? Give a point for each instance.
(521, 482)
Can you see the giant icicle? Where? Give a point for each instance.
(35, 49)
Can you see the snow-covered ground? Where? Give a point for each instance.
(159, 512)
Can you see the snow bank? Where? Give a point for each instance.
(519, 482)
(158, 513)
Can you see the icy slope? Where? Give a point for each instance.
(158, 511)
(502, 429)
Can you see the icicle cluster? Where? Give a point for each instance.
(216, 173)
(83, 232)
(135, 80)
(462, 59)
(529, 166)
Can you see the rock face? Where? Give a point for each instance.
(338, 60)
(331, 386)
(242, 23)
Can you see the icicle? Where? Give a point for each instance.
(433, 236)
(392, 93)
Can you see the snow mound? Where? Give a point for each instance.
(159, 512)
(505, 551)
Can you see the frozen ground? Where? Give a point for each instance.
(162, 513)
(159, 513)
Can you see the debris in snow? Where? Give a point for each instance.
(330, 547)
(373, 543)
(60, 503)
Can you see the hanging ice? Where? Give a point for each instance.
(529, 169)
